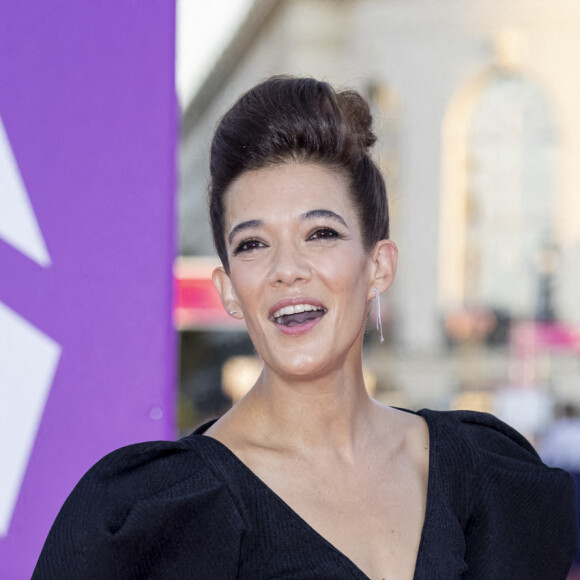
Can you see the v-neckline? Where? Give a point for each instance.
(295, 515)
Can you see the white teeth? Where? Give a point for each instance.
(297, 308)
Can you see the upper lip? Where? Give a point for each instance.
(293, 302)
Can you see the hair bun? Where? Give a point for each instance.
(359, 118)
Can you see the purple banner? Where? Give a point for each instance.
(88, 132)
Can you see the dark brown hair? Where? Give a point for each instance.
(304, 120)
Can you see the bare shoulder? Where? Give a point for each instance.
(235, 431)
(225, 429)
(410, 433)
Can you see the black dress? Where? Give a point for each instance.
(192, 509)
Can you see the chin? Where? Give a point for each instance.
(303, 367)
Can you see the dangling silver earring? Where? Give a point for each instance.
(379, 320)
(232, 312)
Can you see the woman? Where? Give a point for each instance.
(307, 477)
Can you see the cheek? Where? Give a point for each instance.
(246, 283)
(242, 286)
(346, 272)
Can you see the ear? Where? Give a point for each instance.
(384, 266)
(223, 285)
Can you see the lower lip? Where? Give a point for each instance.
(300, 328)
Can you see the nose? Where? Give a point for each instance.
(289, 266)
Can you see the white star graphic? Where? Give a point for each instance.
(18, 225)
(28, 358)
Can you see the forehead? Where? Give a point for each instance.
(290, 188)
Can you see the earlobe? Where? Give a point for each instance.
(224, 287)
(384, 267)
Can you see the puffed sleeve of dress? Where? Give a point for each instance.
(522, 521)
(151, 510)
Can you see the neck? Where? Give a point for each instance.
(333, 411)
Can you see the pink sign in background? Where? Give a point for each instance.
(89, 126)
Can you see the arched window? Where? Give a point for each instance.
(503, 197)
(509, 182)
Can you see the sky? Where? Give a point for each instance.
(204, 28)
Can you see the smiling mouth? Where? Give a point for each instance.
(298, 314)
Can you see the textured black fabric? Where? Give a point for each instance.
(192, 509)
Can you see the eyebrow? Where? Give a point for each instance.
(250, 224)
(309, 215)
(324, 213)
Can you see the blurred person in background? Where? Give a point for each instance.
(307, 476)
(560, 447)
(560, 444)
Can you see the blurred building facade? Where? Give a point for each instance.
(476, 110)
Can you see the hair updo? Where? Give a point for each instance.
(285, 119)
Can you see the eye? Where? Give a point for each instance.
(248, 246)
(323, 234)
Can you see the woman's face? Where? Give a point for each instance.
(299, 274)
